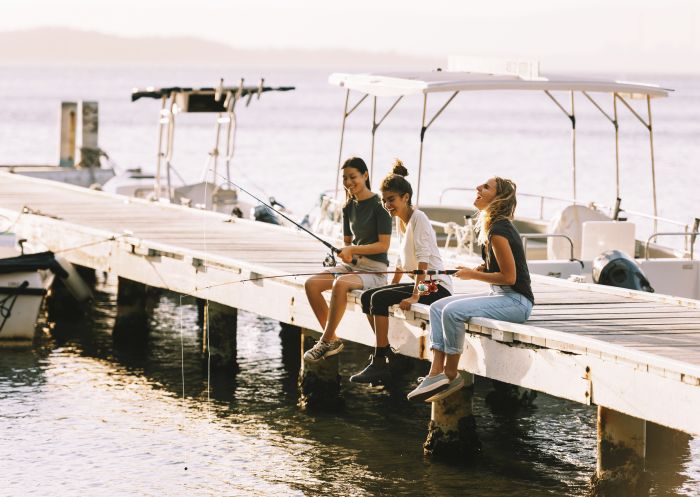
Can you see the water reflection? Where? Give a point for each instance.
(96, 414)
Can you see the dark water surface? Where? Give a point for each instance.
(83, 415)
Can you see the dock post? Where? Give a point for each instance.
(452, 429)
(291, 339)
(61, 305)
(132, 314)
(621, 455)
(89, 150)
(88, 275)
(69, 124)
(319, 383)
(506, 397)
(663, 442)
(219, 336)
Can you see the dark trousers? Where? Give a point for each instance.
(377, 301)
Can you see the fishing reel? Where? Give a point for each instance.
(428, 285)
(329, 260)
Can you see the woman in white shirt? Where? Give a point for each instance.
(418, 251)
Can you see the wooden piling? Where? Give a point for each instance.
(89, 150)
(452, 428)
(319, 382)
(291, 340)
(132, 314)
(219, 336)
(621, 455)
(508, 398)
(69, 122)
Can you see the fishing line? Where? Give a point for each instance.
(427, 272)
(329, 261)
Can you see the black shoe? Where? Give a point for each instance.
(377, 372)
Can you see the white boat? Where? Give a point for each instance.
(583, 241)
(214, 191)
(25, 280)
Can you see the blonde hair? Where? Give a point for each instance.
(501, 207)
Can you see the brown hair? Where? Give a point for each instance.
(501, 207)
(395, 181)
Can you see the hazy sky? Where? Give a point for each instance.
(652, 34)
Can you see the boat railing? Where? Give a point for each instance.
(611, 211)
(692, 234)
(528, 236)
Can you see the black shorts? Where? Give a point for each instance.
(378, 300)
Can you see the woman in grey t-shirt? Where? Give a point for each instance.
(367, 234)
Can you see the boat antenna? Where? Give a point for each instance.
(329, 261)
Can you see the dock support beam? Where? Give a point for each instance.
(506, 397)
(452, 429)
(319, 383)
(621, 454)
(69, 126)
(90, 151)
(220, 336)
(132, 310)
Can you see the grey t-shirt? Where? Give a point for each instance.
(364, 221)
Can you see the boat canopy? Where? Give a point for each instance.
(204, 99)
(412, 83)
(152, 92)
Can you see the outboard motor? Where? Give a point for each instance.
(615, 268)
(265, 215)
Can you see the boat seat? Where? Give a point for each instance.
(569, 222)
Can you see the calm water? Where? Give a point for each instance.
(80, 415)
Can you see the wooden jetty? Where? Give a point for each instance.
(635, 355)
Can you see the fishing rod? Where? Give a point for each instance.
(329, 261)
(430, 286)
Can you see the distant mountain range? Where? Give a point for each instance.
(69, 46)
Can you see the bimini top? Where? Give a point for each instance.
(204, 99)
(410, 83)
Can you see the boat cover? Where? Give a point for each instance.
(32, 262)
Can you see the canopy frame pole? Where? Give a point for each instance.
(614, 122)
(375, 126)
(170, 147)
(423, 129)
(346, 113)
(230, 132)
(164, 119)
(648, 125)
(572, 118)
(215, 150)
(374, 129)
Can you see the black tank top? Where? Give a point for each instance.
(506, 229)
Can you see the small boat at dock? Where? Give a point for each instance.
(25, 280)
(214, 191)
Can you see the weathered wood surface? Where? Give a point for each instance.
(629, 351)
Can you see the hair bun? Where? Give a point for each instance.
(399, 168)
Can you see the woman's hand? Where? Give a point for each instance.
(481, 268)
(406, 304)
(465, 273)
(345, 254)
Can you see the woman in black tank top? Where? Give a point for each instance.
(510, 298)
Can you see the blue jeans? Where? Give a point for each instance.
(448, 315)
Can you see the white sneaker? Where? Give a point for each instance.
(429, 386)
(452, 387)
(322, 349)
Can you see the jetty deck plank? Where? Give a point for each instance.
(633, 352)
